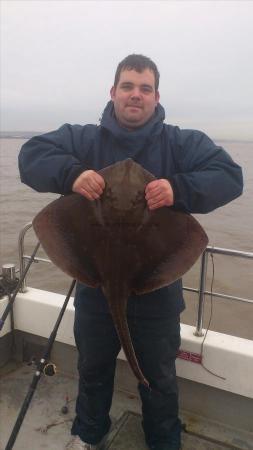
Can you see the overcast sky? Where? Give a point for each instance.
(58, 60)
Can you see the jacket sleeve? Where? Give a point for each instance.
(206, 177)
(51, 162)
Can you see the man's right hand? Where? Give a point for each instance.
(89, 184)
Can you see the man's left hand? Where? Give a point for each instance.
(159, 193)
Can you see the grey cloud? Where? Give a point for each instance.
(59, 58)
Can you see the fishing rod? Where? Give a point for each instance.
(13, 295)
(43, 366)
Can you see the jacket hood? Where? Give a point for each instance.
(136, 138)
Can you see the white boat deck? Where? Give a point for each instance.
(218, 412)
(45, 427)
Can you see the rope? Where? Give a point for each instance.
(208, 326)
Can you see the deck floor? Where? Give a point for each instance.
(45, 427)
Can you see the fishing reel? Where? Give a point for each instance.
(8, 280)
(50, 369)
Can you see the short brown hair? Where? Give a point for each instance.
(138, 63)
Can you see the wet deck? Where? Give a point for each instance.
(45, 426)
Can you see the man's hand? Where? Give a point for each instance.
(89, 184)
(159, 193)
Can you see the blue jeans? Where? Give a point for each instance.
(156, 342)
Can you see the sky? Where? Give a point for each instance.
(58, 60)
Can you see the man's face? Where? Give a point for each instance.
(134, 98)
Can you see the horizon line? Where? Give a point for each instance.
(10, 133)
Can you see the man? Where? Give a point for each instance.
(193, 175)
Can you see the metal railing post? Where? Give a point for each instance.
(202, 286)
(21, 254)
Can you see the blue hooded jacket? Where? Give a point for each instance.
(202, 174)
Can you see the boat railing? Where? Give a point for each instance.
(201, 291)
